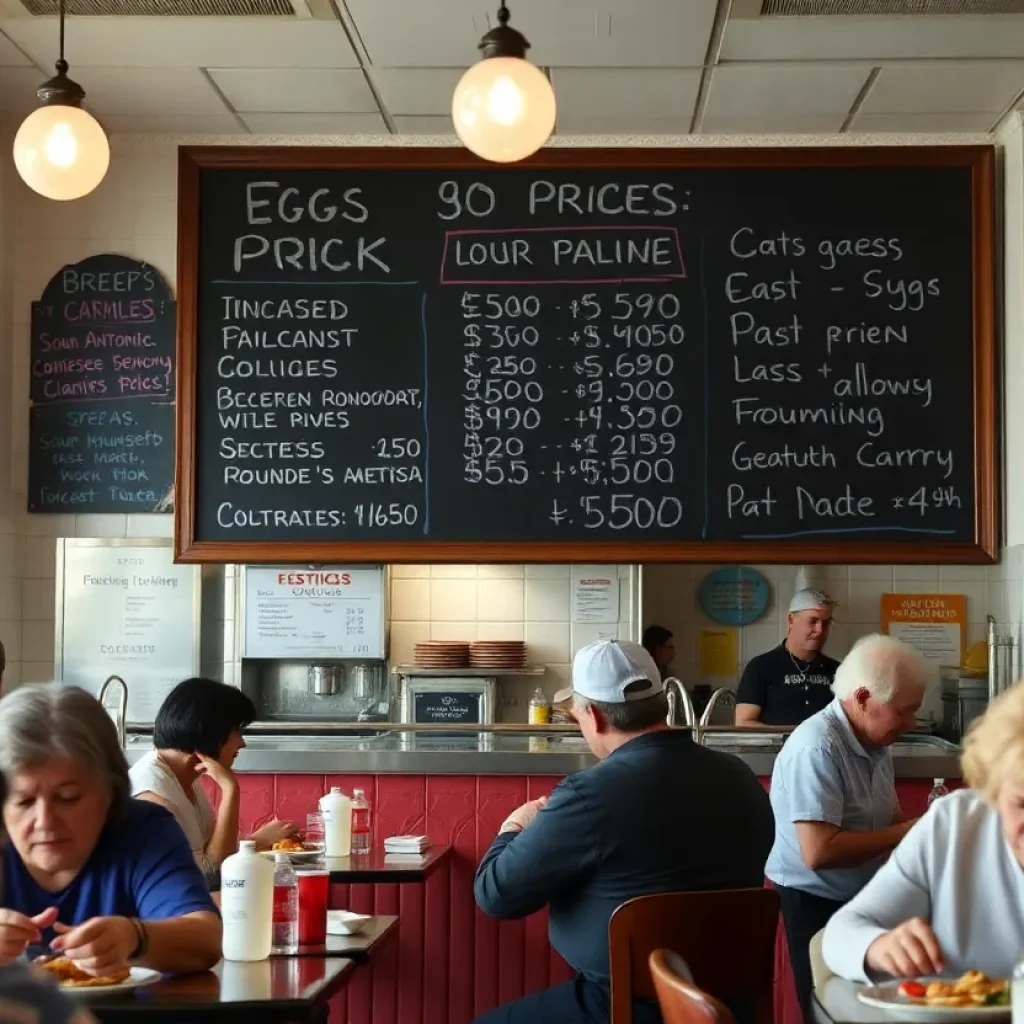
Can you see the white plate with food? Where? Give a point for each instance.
(972, 996)
(81, 985)
(297, 852)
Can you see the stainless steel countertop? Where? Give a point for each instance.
(919, 757)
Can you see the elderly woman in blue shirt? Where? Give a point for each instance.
(89, 872)
(951, 897)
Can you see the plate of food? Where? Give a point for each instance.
(70, 977)
(296, 850)
(972, 996)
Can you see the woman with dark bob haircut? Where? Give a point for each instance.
(89, 872)
(198, 731)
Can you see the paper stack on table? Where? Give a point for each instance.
(406, 844)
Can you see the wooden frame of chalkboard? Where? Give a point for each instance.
(976, 543)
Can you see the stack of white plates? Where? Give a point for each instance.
(497, 654)
(442, 654)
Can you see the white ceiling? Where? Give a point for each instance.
(630, 67)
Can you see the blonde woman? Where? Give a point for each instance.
(951, 896)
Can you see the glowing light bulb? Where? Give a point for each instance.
(61, 151)
(503, 109)
(60, 147)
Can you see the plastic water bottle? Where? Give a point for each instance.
(286, 906)
(938, 789)
(337, 811)
(362, 830)
(247, 904)
(1017, 993)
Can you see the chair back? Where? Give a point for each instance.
(682, 1002)
(820, 972)
(726, 937)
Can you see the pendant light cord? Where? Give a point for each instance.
(62, 64)
(502, 14)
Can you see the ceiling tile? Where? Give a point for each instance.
(909, 123)
(135, 91)
(417, 91)
(10, 55)
(569, 33)
(295, 90)
(782, 91)
(187, 42)
(18, 90)
(315, 124)
(772, 124)
(157, 123)
(623, 124)
(425, 125)
(941, 87)
(873, 38)
(625, 94)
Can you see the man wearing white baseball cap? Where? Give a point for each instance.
(791, 682)
(649, 818)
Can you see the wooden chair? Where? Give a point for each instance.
(682, 1002)
(726, 936)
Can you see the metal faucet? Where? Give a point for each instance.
(679, 704)
(122, 706)
(723, 693)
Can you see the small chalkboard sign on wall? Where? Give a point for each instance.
(102, 372)
(595, 355)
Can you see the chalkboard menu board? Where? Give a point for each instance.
(101, 422)
(595, 355)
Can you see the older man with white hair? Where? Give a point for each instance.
(833, 792)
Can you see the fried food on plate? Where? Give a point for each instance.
(288, 846)
(972, 988)
(69, 975)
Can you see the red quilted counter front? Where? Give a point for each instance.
(450, 962)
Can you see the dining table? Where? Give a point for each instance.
(836, 1002)
(380, 867)
(279, 990)
(293, 988)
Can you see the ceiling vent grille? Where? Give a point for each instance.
(855, 7)
(166, 8)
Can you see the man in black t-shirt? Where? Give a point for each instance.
(794, 680)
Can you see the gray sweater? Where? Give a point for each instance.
(955, 870)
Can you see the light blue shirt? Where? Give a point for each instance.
(824, 774)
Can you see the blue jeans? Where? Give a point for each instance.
(573, 1002)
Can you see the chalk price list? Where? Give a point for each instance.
(625, 351)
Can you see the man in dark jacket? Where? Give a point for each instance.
(660, 813)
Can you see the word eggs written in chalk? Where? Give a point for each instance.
(663, 354)
(102, 390)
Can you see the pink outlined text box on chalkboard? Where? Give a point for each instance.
(563, 255)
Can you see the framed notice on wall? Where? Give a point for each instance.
(125, 607)
(330, 611)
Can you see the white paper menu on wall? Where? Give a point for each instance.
(124, 608)
(330, 611)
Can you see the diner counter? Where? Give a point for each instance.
(391, 750)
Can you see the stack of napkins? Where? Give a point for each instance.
(406, 844)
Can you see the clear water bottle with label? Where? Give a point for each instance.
(938, 789)
(286, 906)
(362, 825)
(1017, 992)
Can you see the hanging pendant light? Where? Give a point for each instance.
(504, 106)
(61, 151)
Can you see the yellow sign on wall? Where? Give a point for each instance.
(934, 624)
(717, 652)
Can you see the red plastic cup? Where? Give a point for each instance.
(314, 892)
